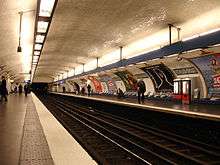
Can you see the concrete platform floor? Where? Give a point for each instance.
(30, 135)
(12, 116)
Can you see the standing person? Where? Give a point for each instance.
(20, 89)
(3, 89)
(64, 89)
(83, 91)
(26, 89)
(89, 89)
(141, 89)
(77, 88)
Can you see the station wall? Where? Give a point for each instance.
(158, 75)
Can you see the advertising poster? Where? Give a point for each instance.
(97, 84)
(161, 76)
(104, 87)
(129, 81)
(109, 81)
(215, 63)
(210, 68)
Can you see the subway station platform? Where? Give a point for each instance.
(31, 135)
(211, 112)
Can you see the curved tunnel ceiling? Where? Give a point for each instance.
(13, 64)
(83, 30)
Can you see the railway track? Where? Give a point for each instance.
(114, 140)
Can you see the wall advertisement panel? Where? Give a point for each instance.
(161, 76)
(97, 84)
(109, 81)
(210, 68)
(128, 79)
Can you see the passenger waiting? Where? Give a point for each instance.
(20, 89)
(3, 89)
(141, 89)
(89, 89)
(64, 89)
(26, 89)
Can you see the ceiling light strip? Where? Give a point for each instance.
(44, 15)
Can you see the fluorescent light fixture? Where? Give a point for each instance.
(189, 38)
(37, 46)
(78, 69)
(46, 7)
(90, 65)
(155, 59)
(35, 57)
(42, 26)
(35, 60)
(143, 62)
(201, 34)
(209, 32)
(109, 58)
(40, 38)
(36, 53)
(216, 45)
(173, 55)
(190, 51)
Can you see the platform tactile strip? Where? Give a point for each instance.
(34, 147)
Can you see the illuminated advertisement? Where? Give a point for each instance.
(110, 83)
(129, 81)
(161, 76)
(97, 84)
(210, 68)
(215, 63)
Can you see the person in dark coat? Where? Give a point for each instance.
(64, 89)
(89, 89)
(26, 89)
(141, 89)
(20, 89)
(3, 89)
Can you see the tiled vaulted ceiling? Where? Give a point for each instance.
(84, 29)
(11, 63)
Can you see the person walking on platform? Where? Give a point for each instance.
(89, 89)
(3, 89)
(141, 89)
(20, 89)
(26, 89)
